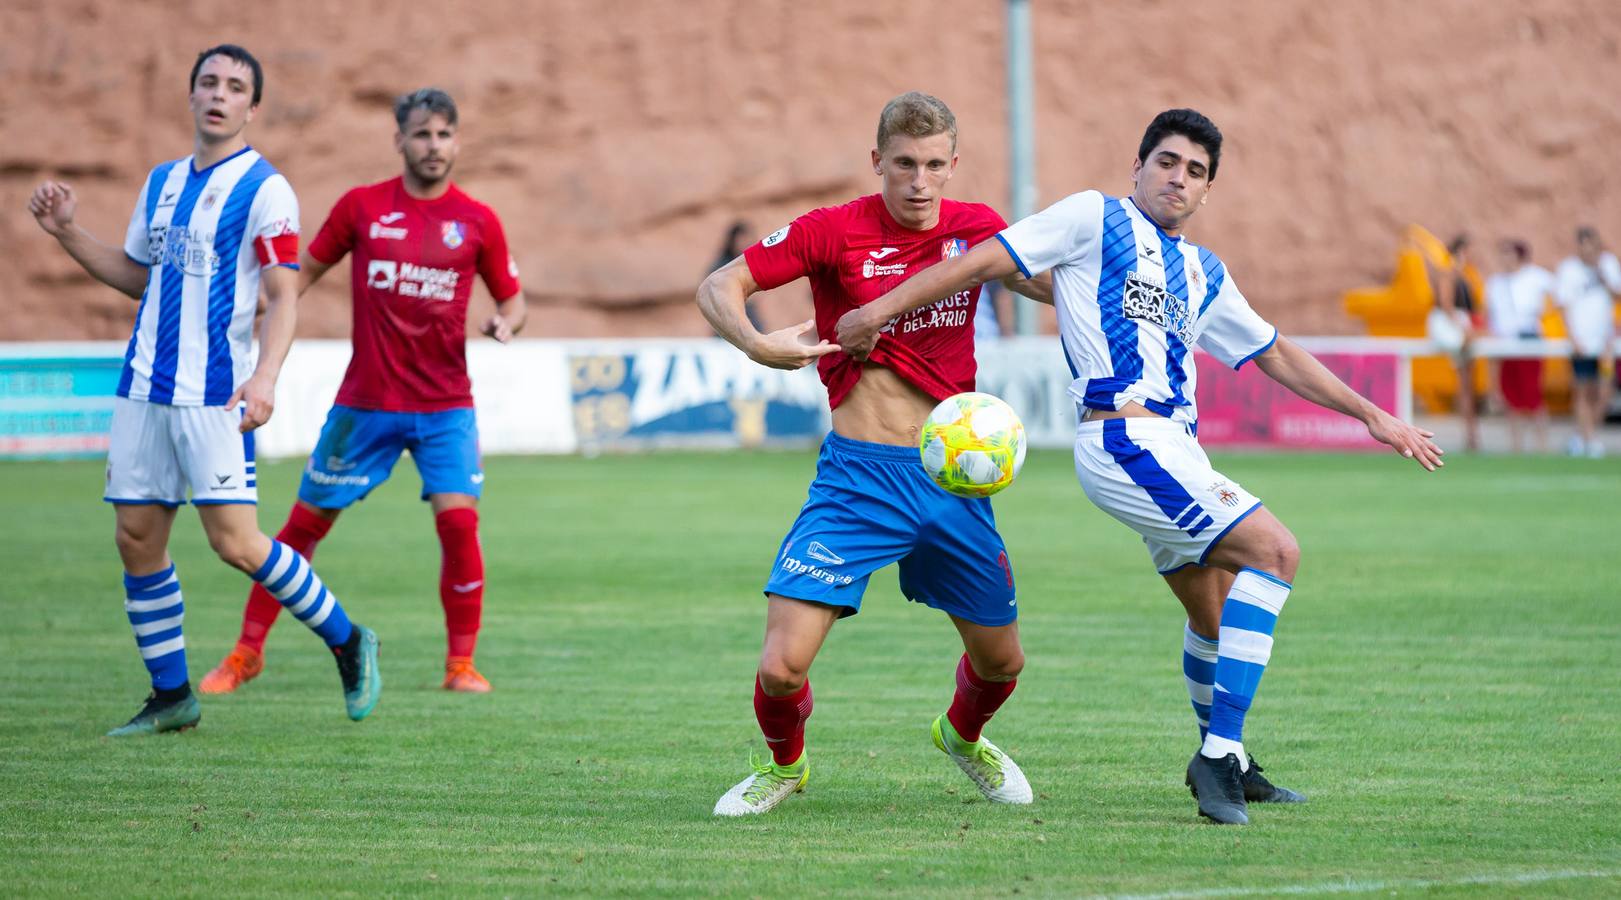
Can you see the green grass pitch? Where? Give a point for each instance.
(1446, 687)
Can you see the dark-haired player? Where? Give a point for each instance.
(207, 232)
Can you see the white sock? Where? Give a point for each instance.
(1217, 747)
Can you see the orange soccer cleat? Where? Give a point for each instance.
(240, 666)
(461, 676)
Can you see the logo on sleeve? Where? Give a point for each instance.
(776, 237)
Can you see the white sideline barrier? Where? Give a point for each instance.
(563, 396)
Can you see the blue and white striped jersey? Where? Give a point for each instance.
(1132, 302)
(204, 238)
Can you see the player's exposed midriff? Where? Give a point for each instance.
(882, 408)
(1129, 411)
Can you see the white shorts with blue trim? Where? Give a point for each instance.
(155, 451)
(1151, 474)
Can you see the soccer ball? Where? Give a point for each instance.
(972, 444)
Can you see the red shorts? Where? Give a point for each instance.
(1522, 384)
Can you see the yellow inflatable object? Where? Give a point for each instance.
(1400, 308)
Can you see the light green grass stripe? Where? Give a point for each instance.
(1506, 879)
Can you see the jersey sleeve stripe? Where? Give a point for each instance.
(1016, 260)
(1265, 347)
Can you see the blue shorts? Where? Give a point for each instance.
(1584, 368)
(358, 449)
(871, 505)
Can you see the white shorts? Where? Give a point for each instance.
(1151, 474)
(156, 451)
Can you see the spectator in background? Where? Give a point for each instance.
(1452, 325)
(731, 248)
(1515, 297)
(987, 317)
(1588, 284)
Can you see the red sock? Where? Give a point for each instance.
(976, 701)
(461, 578)
(302, 532)
(782, 721)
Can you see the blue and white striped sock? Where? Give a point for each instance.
(155, 611)
(1244, 647)
(1199, 670)
(292, 581)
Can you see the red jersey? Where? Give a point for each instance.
(854, 254)
(412, 274)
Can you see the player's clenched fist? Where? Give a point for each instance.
(53, 205)
(856, 333)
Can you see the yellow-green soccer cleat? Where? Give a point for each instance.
(158, 716)
(357, 667)
(996, 775)
(769, 785)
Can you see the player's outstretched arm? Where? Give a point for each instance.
(54, 205)
(280, 286)
(858, 329)
(721, 298)
(1289, 365)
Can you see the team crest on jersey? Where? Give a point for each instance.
(454, 234)
(953, 247)
(211, 197)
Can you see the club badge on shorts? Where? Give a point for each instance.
(454, 234)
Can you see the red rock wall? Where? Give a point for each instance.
(619, 139)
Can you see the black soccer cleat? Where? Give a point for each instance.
(159, 715)
(1218, 785)
(1256, 788)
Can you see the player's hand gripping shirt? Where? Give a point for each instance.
(854, 254)
(412, 274)
(204, 238)
(1133, 302)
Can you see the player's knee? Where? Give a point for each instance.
(1004, 665)
(1280, 555)
(235, 550)
(135, 544)
(779, 677)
